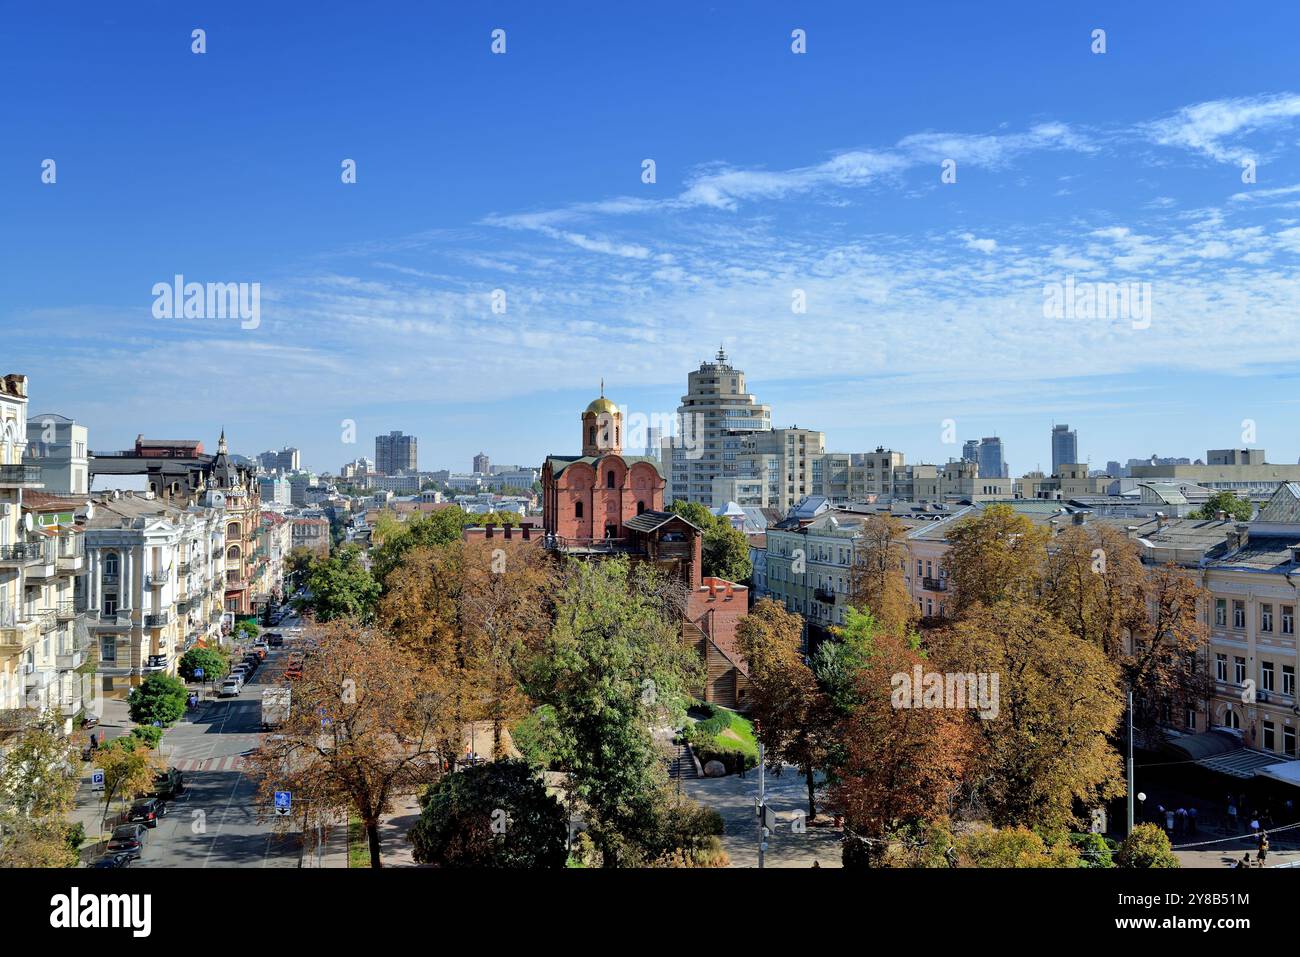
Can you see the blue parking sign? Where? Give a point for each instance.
(283, 802)
(198, 674)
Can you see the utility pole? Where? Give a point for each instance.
(1130, 761)
(762, 805)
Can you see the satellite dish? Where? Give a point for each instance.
(90, 512)
(29, 523)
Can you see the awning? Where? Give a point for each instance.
(1287, 772)
(1222, 751)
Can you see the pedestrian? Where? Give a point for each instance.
(1191, 820)
(1182, 820)
(1263, 847)
(1245, 860)
(94, 741)
(1169, 821)
(1254, 826)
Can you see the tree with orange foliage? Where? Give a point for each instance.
(877, 583)
(368, 721)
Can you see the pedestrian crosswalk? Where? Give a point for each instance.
(233, 762)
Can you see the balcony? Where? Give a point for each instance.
(20, 476)
(14, 556)
(39, 679)
(72, 559)
(47, 619)
(66, 610)
(161, 620)
(116, 620)
(156, 579)
(70, 661)
(156, 663)
(183, 568)
(824, 595)
(934, 584)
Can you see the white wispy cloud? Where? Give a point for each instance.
(1215, 127)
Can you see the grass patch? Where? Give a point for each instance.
(722, 735)
(358, 845)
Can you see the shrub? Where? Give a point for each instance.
(1147, 846)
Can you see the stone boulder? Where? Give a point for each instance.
(715, 769)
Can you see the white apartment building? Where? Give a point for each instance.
(156, 584)
(715, 416)
(19, 629)
(58, 447)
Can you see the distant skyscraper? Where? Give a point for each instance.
(653, 441)
(970, 452)
(395, 453)
(482, 463)
(1065, 447)
(1115, 470)
(990, 457)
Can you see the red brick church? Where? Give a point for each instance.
(603, 502)
(590, 497)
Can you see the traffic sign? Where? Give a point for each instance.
(283, 802)
(198, 674)
(97, 779)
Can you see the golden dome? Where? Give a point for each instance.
(602, 405)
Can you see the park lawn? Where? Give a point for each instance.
(743, 730)
(358, 845)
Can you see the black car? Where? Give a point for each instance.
(146, 811)
(115, 860)
(167, 784)
(274, 639)
(128, 839)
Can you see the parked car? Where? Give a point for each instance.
(168, 784)
(146, 811)
(274, 639)
(230, 688)
(121, 859)
(262, 648)
(90, 721)
(128, 839)
(240, 671)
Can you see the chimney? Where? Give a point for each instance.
(527, 529)
(1161, 519)
(729, 595)
(1243, 534)
(1221, 515)
(490, 527)
(713, 589)
(506, 529)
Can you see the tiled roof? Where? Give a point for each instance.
(1284, 506)
(649, 521)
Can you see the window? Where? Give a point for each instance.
(1189, 719)
(640, 507)
(1238, 614)
(110, 565)
(1288, 619)
(1266, 675)
(577, 510)
(609, 479)
(1239, 669)
(1288, 741)
(1221, 668)
(1265, 617)
(1221, 612)
(110, 604)
(1288, 680)
(1270, 744)
(1231, 719)
(108, 648)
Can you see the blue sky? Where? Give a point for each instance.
(776, 172)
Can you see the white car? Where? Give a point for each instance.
(231, 687)
(263, 647)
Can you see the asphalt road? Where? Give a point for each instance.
(216, 822)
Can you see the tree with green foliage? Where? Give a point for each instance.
(39, 770)
(393, 539)
(1148, 846)
(341, 587)
(246, 631)
(212, 661)
(160, 697)
(129, 766)
(724, 549)
(614, 668)
(1238, 509)
(491, 815)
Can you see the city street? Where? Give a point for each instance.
(216, 822)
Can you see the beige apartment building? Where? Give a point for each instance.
(1243, 471)
(20, 629)
(788, 462)
(1070, 481)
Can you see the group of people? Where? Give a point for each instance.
(1177, 820)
